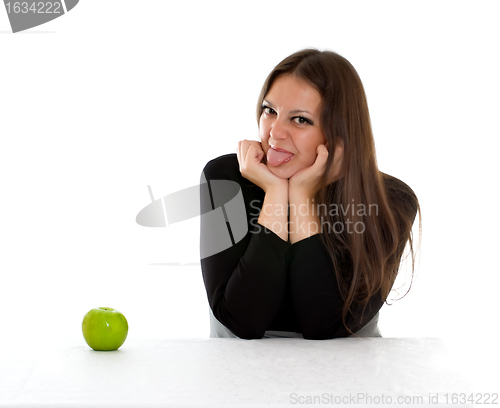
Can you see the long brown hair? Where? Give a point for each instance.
(380, 208)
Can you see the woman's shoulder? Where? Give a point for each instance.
(400, 193)
(222, 168)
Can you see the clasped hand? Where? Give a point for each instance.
(253, 166)
(306, 182)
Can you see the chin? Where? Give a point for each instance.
(282, 171)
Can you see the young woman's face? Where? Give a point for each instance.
(289, 126)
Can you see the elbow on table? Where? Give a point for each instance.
(317, 336)
(251, 335)
(324, 333)
(249, 331)
(246, 331)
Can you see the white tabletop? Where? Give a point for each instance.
(235, 372)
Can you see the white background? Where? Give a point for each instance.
(117, 95)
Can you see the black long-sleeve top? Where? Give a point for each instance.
(262, 282)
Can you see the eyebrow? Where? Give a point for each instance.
(293, 111)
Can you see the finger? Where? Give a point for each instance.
(244, 145)
(250, 151)
(319, 165)
(259, 146)
(322, 155)
(244, 149)
(257, 151)
(322, 149)
(260, 151)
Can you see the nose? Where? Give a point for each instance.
(278, 131)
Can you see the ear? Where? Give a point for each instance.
(340, 142)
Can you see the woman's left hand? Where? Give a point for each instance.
(306, 182)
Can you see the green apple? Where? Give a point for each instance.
(104, 329)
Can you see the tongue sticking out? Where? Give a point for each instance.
(276, 158)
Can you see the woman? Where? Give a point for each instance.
(326, 228)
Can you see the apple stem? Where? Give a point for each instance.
(151, 193)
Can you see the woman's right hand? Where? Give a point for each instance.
(250, 155)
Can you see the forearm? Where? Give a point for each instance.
(315, 291)
(245, 282)
(304, 218)
(274, 212)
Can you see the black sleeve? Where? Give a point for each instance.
(316, 296)
(245, 283)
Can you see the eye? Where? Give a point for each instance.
(268, 110)
(301, 120)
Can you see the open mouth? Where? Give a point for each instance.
(277, 156)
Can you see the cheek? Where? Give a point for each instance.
(309, 147)
(307, 161)
(309, 153)
(262, 126)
